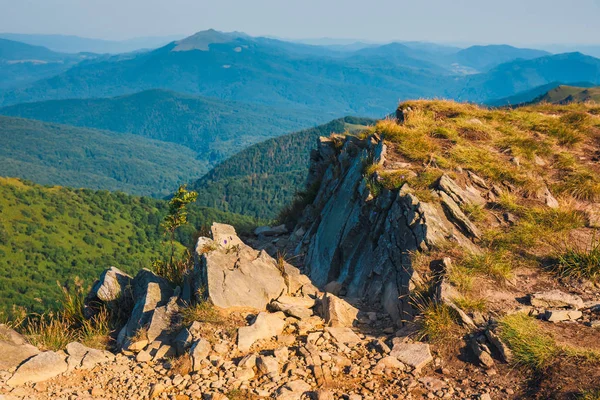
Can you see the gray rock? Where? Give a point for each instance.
(482, 353)
(265, 326)
(562, 315)
(467, 196)
(343, 335)
(416, 355)
(293, 390)
(83, 357)
(267, 365)
(338, 312)
(292, 310)
(113, 287)
(183, 341)
(14, 348)
(556, 299)
(502, 348)
(39, 368)
(458, 217)
(199, 352)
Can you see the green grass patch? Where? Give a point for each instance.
(580, 262)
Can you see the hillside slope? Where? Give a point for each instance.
(213, 128)
(261, 179)
(79, 157)
(564, 94)
(55, 234)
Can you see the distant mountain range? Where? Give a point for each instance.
(22, 64)
(76, 44)
(368, 81)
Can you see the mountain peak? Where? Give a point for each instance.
(203, 39)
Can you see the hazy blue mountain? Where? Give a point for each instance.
(76, 44)
(53, 154)
(522, 75)
(530, 95)
(240, 68)
(263, 178)
(213, 128)
(484, 58)
(22, 63)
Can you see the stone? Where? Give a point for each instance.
(459, 218)
(292, 310)
(138, 345)
(244, 374)
(265, 326)
(556, 299)
(338, 312)
(549, 199)
(84, 357)
(468, 196)
(183, 341)
(225, 235)
(388, 363)
(415, 355)
(343, 335)
(324, 394)
(156, 390)
(482, 353)
(14, 348)
(199, 352)
(267, 365)
(562, 315)
(500, 346)
(432, 384)
(149, 292)
(293, 390)
(39, 368)
(112, 285)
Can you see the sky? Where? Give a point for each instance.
(447, 21)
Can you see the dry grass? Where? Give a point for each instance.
(580, 262)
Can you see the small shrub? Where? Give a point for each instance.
(175, 269)
(580, 262)
(531, 346)
(581, 184)
(493, 263)
(589, 395)
(470, 304)
(436, 322)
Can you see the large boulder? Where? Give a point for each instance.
(14, 349)
(39, 368)
(232, 274)
(83, 357)
(416, 355)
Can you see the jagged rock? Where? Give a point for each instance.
(149, 292)
(502, 348)
(271, 231)
(476, 179)
(291, 309)
(556, 299)
(238, 276)
(14, 349)
(248, 361)
(265, 326)
(39, 368)
(482, 353)
(199, 352)
(183, 341)
(267, 365)
(338, 312)
(445, 293)
(458, 217)
(84, 357)
(343, 335)
(160, 322)
(562, 315)
(549, 199)
(225, 236)
(416, 355)
(388, 363)
(113, 285)
(467, 196)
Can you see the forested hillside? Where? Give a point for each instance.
(213, 128)
(78, 157)
(55, 234)
(263, 178)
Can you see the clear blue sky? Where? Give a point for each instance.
(472, 21)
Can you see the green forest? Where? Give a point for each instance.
(50, 236)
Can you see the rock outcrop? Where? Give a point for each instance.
(14, 349)
(362, 242)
